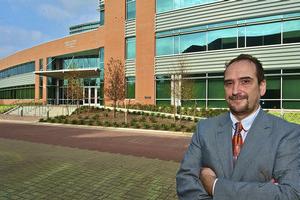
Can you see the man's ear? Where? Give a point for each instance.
(263, 87)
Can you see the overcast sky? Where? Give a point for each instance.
(26, 23)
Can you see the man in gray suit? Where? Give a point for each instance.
(245, 153)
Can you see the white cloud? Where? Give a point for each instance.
(15, 39)
(53, 12)
(75, 10)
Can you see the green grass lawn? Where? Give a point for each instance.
(4, 108)
(289, 116)
(39, 171)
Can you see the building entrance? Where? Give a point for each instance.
(91, 96)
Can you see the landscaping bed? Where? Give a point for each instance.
(135, 119)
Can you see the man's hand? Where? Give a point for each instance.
(207, 177)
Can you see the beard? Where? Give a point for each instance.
(241, 107)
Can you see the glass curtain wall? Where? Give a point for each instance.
(208, 90)
(168, 5)
(79, 62)
(18, 92)
(281, 29)
(17, 70)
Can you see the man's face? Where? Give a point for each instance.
(242, 90)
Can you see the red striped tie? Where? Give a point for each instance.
(237, 141)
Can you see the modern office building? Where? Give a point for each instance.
(154, 39)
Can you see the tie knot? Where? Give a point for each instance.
(238, 127)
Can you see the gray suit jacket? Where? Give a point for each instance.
(271, 150)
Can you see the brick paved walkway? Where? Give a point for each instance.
(33, 166)
(40, 171)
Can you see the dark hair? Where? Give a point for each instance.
(259, 69)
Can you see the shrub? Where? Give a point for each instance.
(165, 127)
(153, 120)
(125, 125)
(96, 116)
(156, 126)
(189, 130)
(137, 126)
(99, 123)
(115, 124)
(74, 121)
(66, 121)
(177, 128)
(142, 119)
(146, 126)
(133, 120)
(107, 123)
(132, 123)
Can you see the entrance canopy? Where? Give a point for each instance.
(64, 73)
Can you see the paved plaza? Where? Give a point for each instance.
(38, 169)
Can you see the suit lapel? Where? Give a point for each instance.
(224, 147)
(258, 133)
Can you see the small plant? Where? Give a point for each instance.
(74, 121)
(137, 126)
(98, 123)
(133, 120)
(115, 124)
(107, 123)
(146, 126)
(152, 119)
(143, 119)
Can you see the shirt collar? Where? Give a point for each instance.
(247, 122)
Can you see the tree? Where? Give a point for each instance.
(181, 87)
(74, 87)
(115, 82)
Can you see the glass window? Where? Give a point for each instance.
(130, 48)
(167, 5)
(165, 46)
(163, 89)
(102, 14)
(273, 92)
(241, 36)
(130, 9)
(291, 104)
(164, 5)
(222, 39)
(264, 34)
(192, 42)
(291, 31)
(197, 88)
(187, 3)
(216, 89)
(290, 87)
(130, 92)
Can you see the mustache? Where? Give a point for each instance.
(238, 97)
